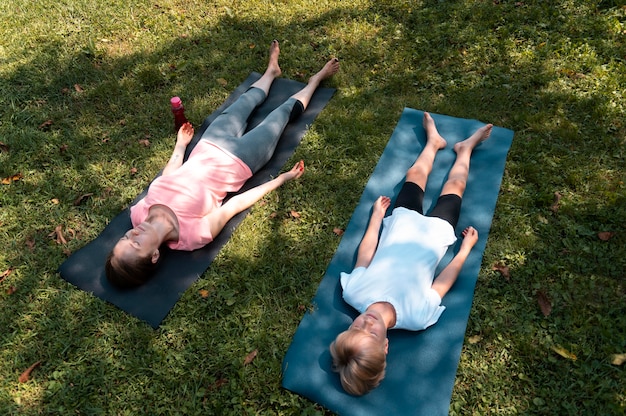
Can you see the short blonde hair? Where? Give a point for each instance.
(360, 361)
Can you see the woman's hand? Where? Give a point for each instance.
(295, 172)
(185, 134)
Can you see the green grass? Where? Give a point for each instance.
(102, 74)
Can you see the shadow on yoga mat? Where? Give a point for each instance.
(421, 366)
(180, 269)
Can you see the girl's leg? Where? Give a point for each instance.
(256, 147)
(448, 206)
(418, 173)
(233, 121)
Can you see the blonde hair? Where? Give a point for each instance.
(360, 361)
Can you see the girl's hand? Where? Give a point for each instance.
(185, 134)
(470, 237)
(295, 172)
(381, 205)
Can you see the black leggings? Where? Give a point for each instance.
(448, 207)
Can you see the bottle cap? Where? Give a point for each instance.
(176, 102)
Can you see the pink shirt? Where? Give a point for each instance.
(193, 190)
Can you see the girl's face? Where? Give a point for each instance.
(373, 324)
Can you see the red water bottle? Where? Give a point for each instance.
(179, 113)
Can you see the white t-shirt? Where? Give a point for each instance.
(402, 271)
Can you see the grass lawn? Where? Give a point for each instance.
(85, 125)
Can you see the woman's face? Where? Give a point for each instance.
(141, 241)
(372, 323)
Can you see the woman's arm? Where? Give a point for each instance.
(448, 275)
(238, 203)
(184, 136)
(369, 243)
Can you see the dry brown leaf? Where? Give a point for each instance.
(81, 198)
(45, 125)
(222, 82)
(295, 214)
(25, 376)
(557, 199)
(12, 178)
(251, 46)
(63, 148)
(564, 353)
(55, 201)
(11, 290)
(4, 147)
(133, 171)
(338, 231)
(474, 339)
(544, 303)
(58, 233)
(218, 383)
(78, 88)
(618, 359)
(503, 270)
(5, 274)
(605, 235)
(204, 293)
(30, 243)
(144, 142)
(250, 357)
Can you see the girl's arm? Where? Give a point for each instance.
(184, 136)
(448, 275)
(238, 203)
(369, 243)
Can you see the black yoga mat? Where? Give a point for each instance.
(180, 269)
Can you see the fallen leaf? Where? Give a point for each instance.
(4, 147)
(58, 233)
(222, 82)
(12, 178)
(105, 140)
(144, 142)
(5, 274)
(295, 214)
(204, 293)
(26, 374)
(218, 383)
(618, 359)
(250, 357)
(78, 88)
(81, 198)
(474, 339)
(133, 171)
(63, 148)
(557, 198)
(251, 46)
(564, 353)
(301, 308)
(11, 290)
(30, 243)
(544, 303)
(45, 125)
(503, 270)
(605, 235)
(55, 201)
(338, 231)
(273, 214)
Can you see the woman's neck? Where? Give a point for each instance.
(165, 221)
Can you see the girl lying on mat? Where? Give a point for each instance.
(392, 281)
(183, 207)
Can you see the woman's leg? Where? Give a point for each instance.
(257, 146)
(448, 205)
(233, 121)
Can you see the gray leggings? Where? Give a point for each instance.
(257, 146)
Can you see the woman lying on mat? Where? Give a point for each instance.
(183, 207)
(392, 281)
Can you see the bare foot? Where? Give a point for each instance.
(475, 139)
(273, 66)
(432, 134)
(330, 69)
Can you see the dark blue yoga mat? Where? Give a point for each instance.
(421, 366)
(180, 269)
